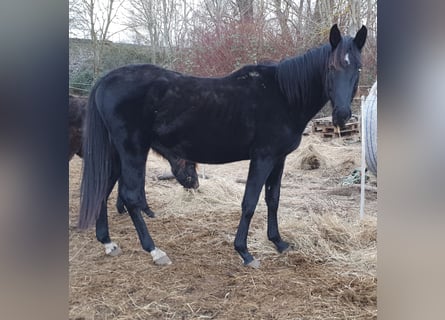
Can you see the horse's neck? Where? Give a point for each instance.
(313, 95)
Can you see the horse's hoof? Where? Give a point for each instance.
(287, 249)
(116, 252)
(160, 257)
(163, 261)
(112, 249)
(149, 213)
(284, 247)
(255, 263)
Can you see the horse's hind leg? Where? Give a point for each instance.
(120, 206)
(132, 184)
(102, 233)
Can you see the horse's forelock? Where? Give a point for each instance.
(346, 46)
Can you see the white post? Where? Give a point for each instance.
(363, 174)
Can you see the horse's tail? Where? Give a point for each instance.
(96, 164)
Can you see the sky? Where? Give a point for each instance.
(119, 32)
(116, 29)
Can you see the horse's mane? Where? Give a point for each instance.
(294, 74)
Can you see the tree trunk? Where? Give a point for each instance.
(245, 8)
(283, 17)
(355, 17)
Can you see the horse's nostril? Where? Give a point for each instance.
(189, 179)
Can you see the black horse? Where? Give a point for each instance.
(184, 171)
(258, 112)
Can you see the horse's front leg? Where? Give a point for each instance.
(273, 185)
(259, 170)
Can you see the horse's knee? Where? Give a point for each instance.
(272, 203)
(272, 198)
(248, 210)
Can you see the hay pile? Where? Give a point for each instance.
(309, 158)
(331, 273)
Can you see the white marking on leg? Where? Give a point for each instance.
(255, 263)
(112, 249)
(160, 257)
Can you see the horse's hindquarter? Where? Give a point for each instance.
(220, 120)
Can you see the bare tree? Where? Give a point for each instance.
(93, 18)
(355, 16)
(281, 9)
(236, 31)
(218, 12)
(159, 23)
(245, 8)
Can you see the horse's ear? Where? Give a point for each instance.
(334, 36)
(360, 37)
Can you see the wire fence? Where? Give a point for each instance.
(79, 87)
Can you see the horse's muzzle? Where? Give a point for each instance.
(340, 116)
(191, 183)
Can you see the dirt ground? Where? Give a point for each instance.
(330, 274)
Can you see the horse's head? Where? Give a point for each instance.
(185, 173)
(343, 72)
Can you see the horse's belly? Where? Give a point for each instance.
(215, 154)
(208, 144)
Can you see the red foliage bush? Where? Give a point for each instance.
(226, 47)
(230, 46)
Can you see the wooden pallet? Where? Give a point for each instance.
(326, 129)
